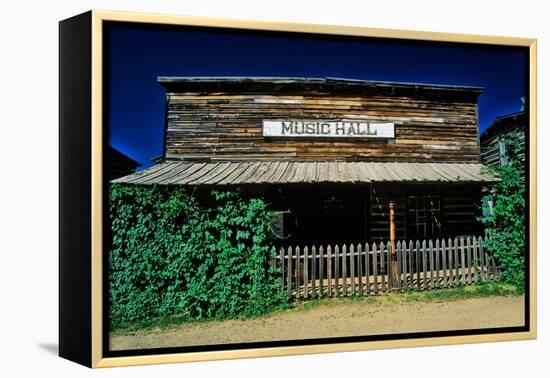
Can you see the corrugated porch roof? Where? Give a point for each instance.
(292, 172)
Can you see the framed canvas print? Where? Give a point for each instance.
(236, 189)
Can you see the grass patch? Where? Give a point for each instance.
(152, 323)
(479, 290)
(486, 289)
(167, 322)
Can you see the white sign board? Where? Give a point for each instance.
(327, 129)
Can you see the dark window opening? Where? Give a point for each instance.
(423, 217)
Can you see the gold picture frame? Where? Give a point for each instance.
(93, 264)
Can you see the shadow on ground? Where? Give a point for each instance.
(51, 348)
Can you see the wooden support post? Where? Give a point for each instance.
(393, 271)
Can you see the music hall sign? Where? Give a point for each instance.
(327, 129)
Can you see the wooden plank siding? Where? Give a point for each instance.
(456, 208)
(218, 124)
(502, 127)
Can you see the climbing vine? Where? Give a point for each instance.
(506, 226)
(173, 255)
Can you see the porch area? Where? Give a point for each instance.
(356, 227)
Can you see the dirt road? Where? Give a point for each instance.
(336, 318)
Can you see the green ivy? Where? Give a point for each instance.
(171, 256)
(506, 227)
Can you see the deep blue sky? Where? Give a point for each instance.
(138, 56)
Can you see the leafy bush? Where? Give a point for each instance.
(506, 226)
(170, 255)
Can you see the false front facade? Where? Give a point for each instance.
(330, 153)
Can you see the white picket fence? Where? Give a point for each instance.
(364, 269)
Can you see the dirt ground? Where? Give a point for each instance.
(336, 319)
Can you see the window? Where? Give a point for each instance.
(487, 206)
(423, 217)
(502, 152)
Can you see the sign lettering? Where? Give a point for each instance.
(327, 129)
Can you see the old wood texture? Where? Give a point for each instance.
(321, 271)
(411, 260)
(329, 270)
(282, 261)
(306, 275)
(360, 286)
(298, 272)
(457, 205)
(482, 258)
(444, 265)
(313, 272)
(418, 255)
(431, 253)
(451, 261)
(345, 271)
(383, 267)
(374, 253)
(367, 268)
(221, 119)
(492, 140)
(407, 274)
(389, 268)
(289, 270)
(462, 262)
(299, 172)
(401, 266)
(337, 270)
(469, 260)
(370, 276)
(437, 251)
(476, 259)
(352, 268)
(456, 262)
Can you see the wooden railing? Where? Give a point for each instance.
(364, 269)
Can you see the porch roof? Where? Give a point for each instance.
(299, 172)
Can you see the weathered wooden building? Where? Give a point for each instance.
(493, 138)
(334, 152)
